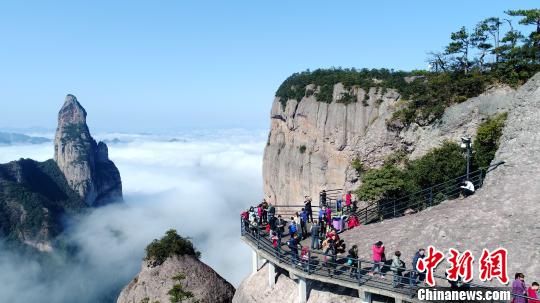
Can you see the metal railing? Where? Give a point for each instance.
(331, 198)
(344, 271)
(418, 201)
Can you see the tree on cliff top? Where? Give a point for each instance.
(168, 246)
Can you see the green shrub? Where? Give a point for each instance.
(177, 293)
(397, 157)
(439, 165)
(391, 182)
(486, 142)
(302, 149)
(357, 165)
(387, 182)
(169, 245)
(347, 98)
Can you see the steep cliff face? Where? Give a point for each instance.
(153, 284)
(34, 196)
(85, 164)
(311, 144)
(503, 213)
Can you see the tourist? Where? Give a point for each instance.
(348, 200)
(518, 289)
(273, 223)
(292, 228)
(354, 205)
(253, 222)
(322, 198)
(328, 213)
(303, 223)
(417, 276)
(304, 257)
(280, 228)
(329, 250)
(308, 208)
(297, 219)
(293, 247)
(378, 252)
(271, 211)
(532, 293)
(397, 268)
(352, 222)
(264, 213)
(275, 240)
(339, 201)
(352, 261)
(314, 235)
(245, 220)
(260, 213)
(467, 188)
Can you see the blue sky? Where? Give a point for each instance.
(173, 65)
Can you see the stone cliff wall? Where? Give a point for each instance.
(503, 213)
(311, 144)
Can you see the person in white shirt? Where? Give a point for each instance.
(468, 188)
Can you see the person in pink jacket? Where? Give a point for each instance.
(348, 200)
(378, 258)
(328, 215)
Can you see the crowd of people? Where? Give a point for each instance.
(323, 231)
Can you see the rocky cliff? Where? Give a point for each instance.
(84, 162)
(153, 284)
(500, 214)
(503, 213)
(311, 144)
(34, 196)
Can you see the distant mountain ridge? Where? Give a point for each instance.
(8, 138)
(34, 196)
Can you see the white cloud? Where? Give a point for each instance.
(197, 185)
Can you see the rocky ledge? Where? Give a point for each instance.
(184, 275)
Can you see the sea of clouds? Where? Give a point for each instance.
(195, 182)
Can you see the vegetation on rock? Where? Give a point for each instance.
(439, 165)
(487, 138)
(177, 293)
(168, 246)
(473, 61)
(32, 206)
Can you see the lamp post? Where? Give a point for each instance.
(466, 143)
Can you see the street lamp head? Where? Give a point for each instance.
(465, 142)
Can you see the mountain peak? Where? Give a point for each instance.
(71, 112)
(85, 163)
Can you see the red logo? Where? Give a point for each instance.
(493, 265)
(461, 266)
(433, 258)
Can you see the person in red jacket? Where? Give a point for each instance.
(348, 200)
(531, 293)
(378, 253)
